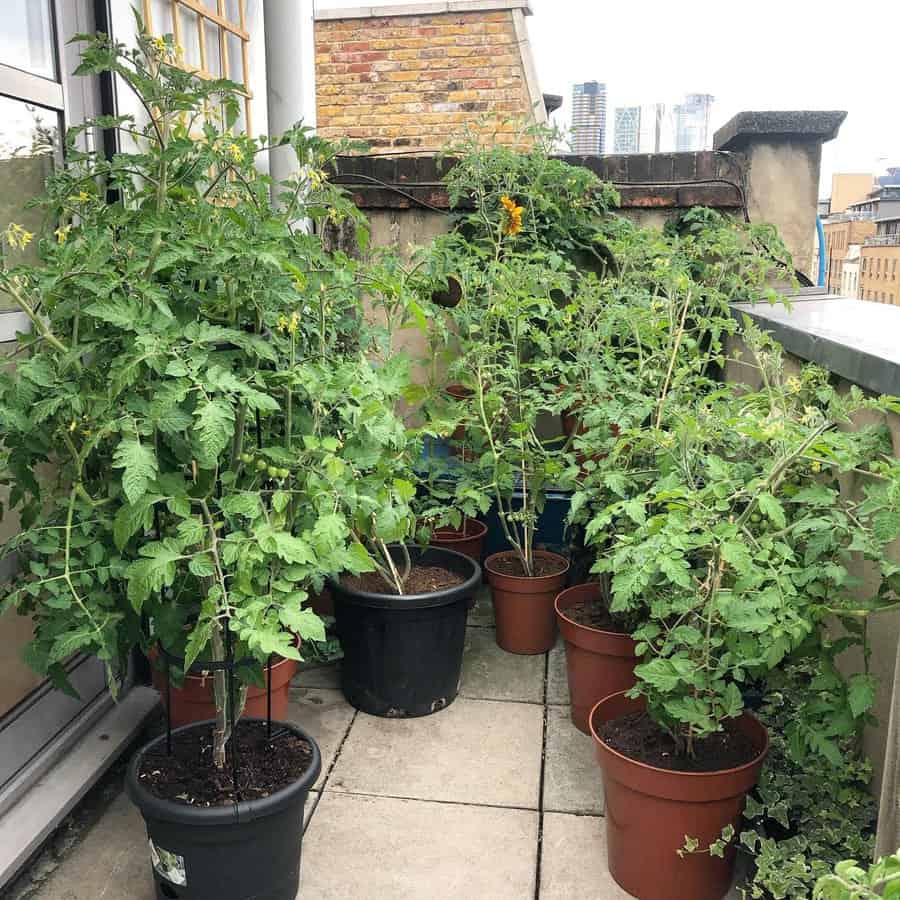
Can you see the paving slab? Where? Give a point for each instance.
(474, 751)
(557, 679)
(320, 676)
(112, 861)
(482, 615)
(326, 715)
(572, 779)
(388, 849)
(490, 673)
(573, 860)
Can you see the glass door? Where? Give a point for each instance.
(34, 105)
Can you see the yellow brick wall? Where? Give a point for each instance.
(414, 82)
(879, 274)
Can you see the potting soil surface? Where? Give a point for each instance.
(421, 580)
(593, 615)
(188, 776)
(638, 737)
(512, 565)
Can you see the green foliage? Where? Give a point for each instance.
(808, 812)
(174, 329)
(849, 881)
(732, 536)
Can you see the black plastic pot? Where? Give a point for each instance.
(403, 654)
(245, 851)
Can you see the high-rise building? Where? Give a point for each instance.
(589, 118)
(627, 136)
(692, 117)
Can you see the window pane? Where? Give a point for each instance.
(29, 150)
(26, 38)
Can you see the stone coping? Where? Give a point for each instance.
(423, 9)
(798, 124)
(856, 339)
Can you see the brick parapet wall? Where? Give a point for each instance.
(659, 181)
(416, 81)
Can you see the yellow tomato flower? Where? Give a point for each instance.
(17, 236)
(513, 223)
(235, 152)
(62, 233)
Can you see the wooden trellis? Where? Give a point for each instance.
(225, 27)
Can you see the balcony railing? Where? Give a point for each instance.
(883, 240)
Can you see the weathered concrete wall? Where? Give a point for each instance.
(881, 742)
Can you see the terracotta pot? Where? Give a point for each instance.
(468, 540)
(523, 607)
(194, 701)
(458, 392)
(598, 663)
(650, 810)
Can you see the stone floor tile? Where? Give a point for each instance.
(490, 673)
(326, 715)
(573, 860)
(482, 615)
(557, 680)
(377, 848)
(111, 861)
(474, 751)
(572, 779)
(321, 676)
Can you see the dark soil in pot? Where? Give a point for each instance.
(403, 652)
(523, 604)
(421, 580)
(600, 658)
(188, 774)
(239, 849)
(638, 737)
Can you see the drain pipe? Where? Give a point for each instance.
(820, 232)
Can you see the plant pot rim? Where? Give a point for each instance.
(531, 579)
(443, 597)
(696, 777)
(592, 628)
(198, 673)
(158, 808)
(448, 534)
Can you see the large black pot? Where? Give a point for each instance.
(246, 851)
(403, 654)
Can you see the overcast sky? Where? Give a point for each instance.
(768, 54)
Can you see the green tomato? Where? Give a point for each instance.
(246, 458)
(755, 518)
(261, 465)
(284, 473)
(271, 471)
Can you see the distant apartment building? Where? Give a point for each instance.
(589, 118)
(847, 188)
(627, 134)
(879, 267)
(881, 203)
(692, 123)
(841, 233)
(850, 272)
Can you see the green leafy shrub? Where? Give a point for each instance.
(850, 881)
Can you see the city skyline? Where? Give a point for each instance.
(588, 132)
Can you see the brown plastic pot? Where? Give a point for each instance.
(194, 701)
(468, 540)
(523, 606)
(458, 392)
(598, 663)
(649, 811)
